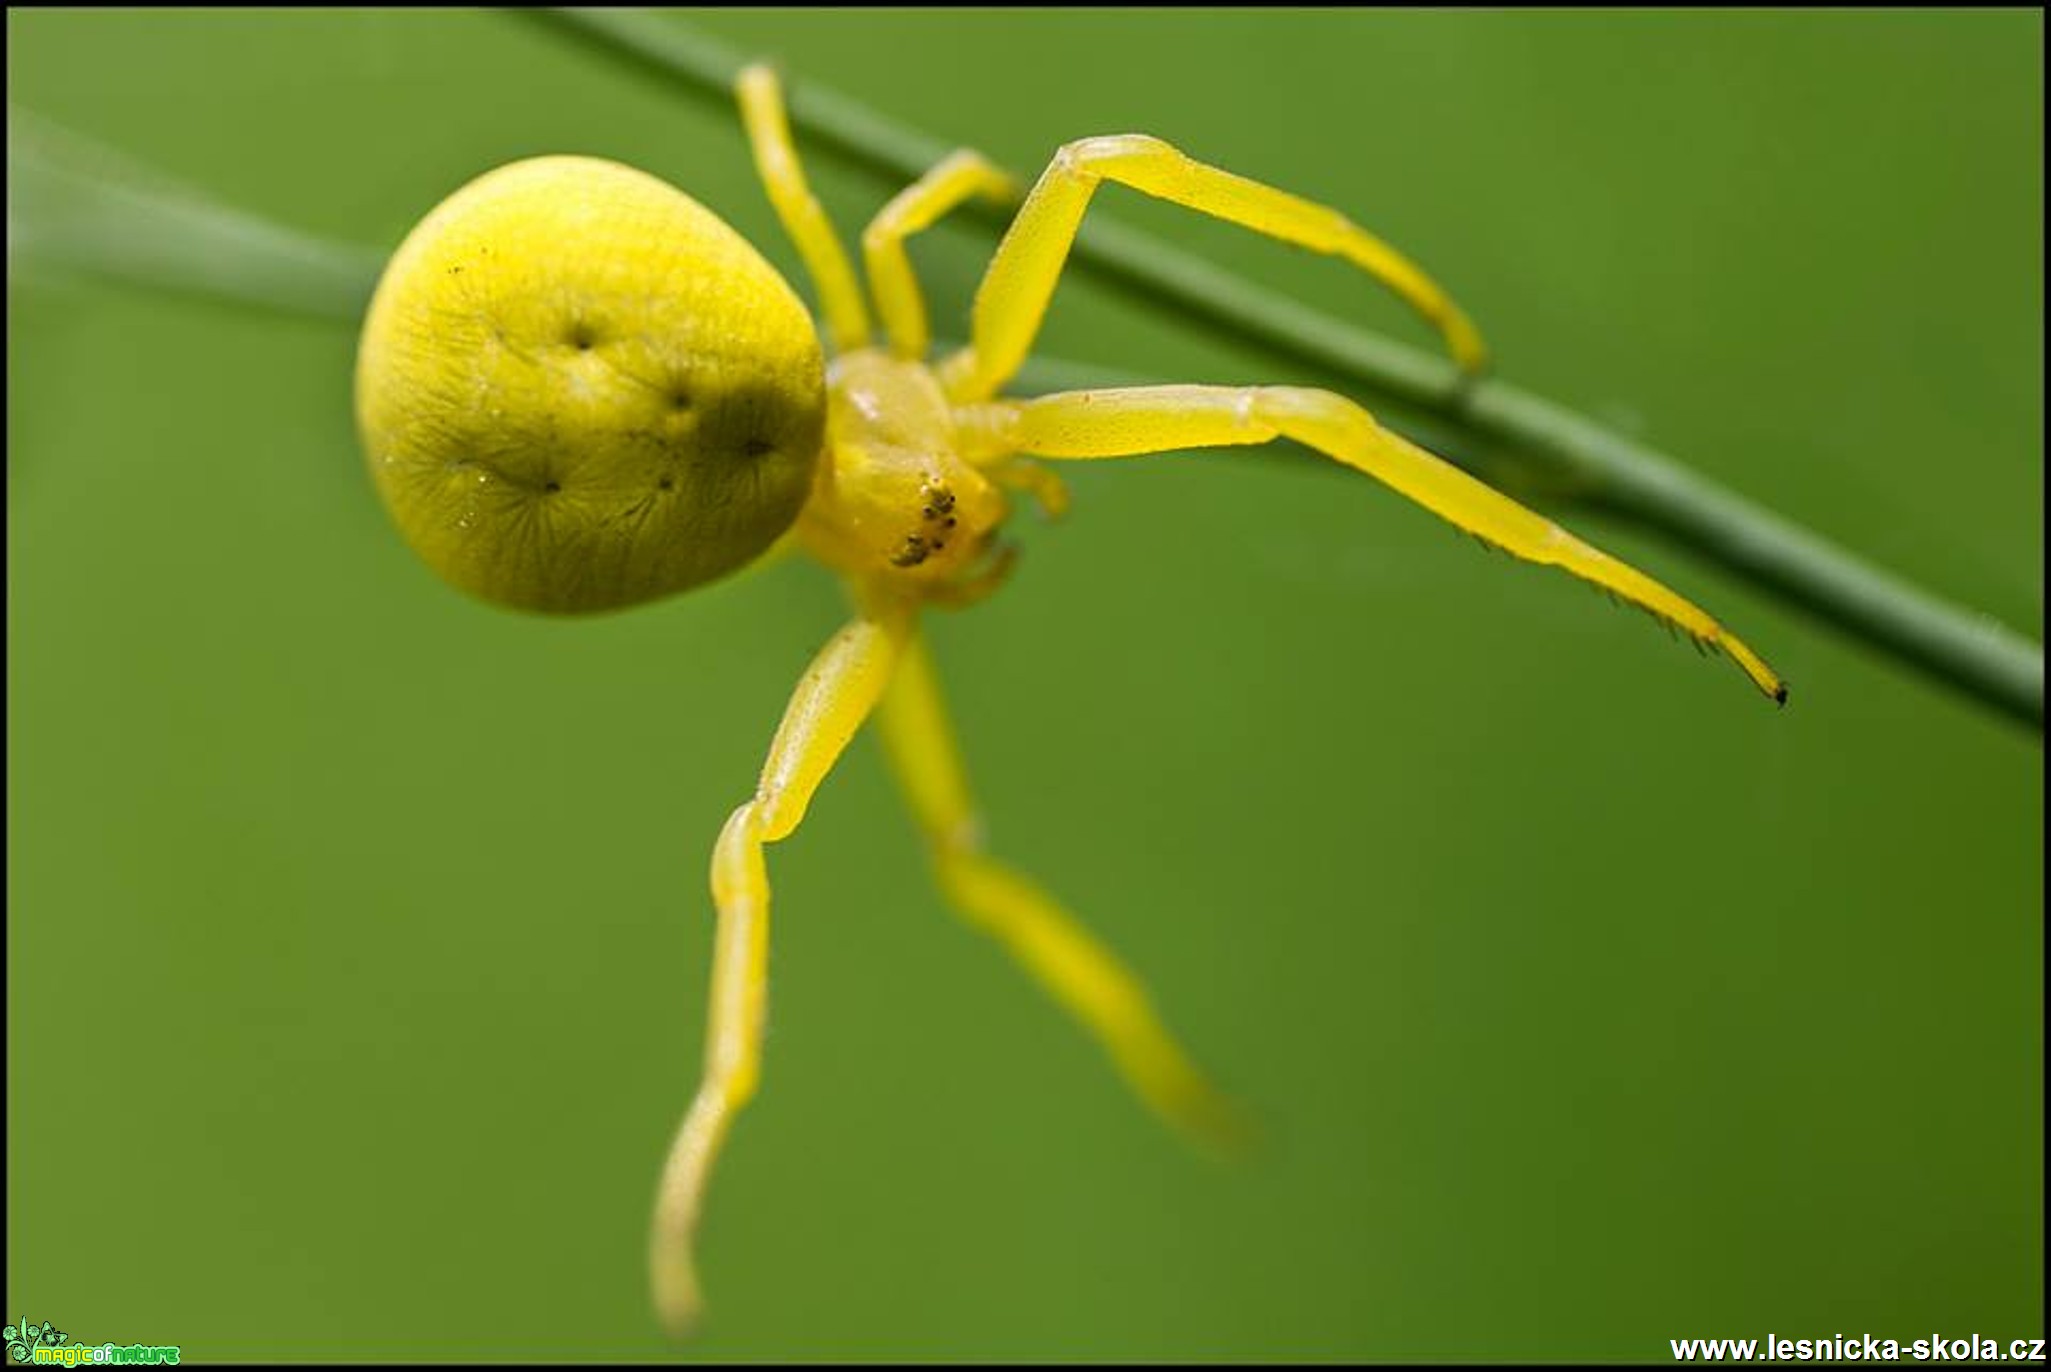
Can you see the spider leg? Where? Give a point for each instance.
(836, 694)
(1151, 419)
(1084, 976)
(980, 583)
(1021, 277)
(1047, 490)
(804, 219)
(953, 180)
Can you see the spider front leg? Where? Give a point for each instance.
(804, 218)
(1152, 419)
(1013, 296)
(836, 694)
(956, 178)
(1084, 976)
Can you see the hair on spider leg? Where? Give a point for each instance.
(1703, 645)
(1661, 620)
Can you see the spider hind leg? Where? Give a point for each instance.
(1081, 974)
(831, 701)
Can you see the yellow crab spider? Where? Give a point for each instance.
(578, 390)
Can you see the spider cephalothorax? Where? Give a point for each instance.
(894, 500)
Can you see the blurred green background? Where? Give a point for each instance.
(358, 933)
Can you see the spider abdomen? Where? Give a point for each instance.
(579, 389)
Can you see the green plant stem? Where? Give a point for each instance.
(82, 207)
(74, 204)
(1550, 448)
